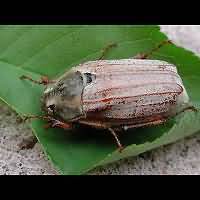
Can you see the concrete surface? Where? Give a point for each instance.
(182, 157)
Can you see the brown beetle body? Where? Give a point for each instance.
(115, 94)
(118, 93)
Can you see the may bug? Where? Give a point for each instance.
(115, 94)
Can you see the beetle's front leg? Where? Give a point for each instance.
(51, 122)
(44, 80)
(54, 123)
(148, 54)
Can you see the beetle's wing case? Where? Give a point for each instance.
(130, 89)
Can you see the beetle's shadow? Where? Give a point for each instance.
(84, 133)
(146, 134)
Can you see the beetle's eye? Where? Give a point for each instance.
(51, 108)
(89, 77)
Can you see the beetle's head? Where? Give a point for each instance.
(63, 99)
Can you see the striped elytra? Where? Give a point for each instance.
(116, 95)
(111, 93)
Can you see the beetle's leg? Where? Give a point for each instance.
(51, 121)
(103, 126)
(43, 81)
(120, 147)
(96, 124)
(157, 122)
(193, 108)
(146, 55)
(56, 123)
(106, 49)
(28, 143)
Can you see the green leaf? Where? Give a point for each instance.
(51, 50)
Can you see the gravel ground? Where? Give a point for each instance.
(182, 157)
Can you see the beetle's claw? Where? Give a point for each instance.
(120, 148)
(25, 118)
(194, 109)
(48, 125)
(22, 77)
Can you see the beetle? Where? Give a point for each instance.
(115, 94)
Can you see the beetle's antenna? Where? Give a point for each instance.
(43, 81)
